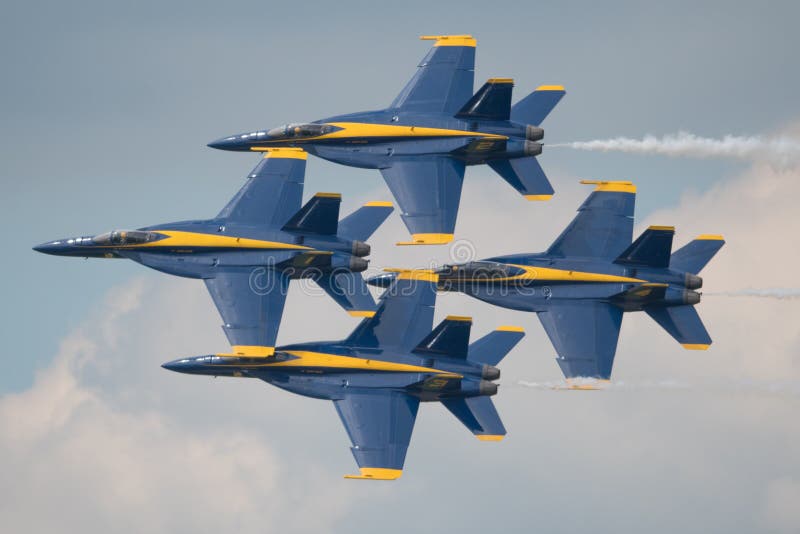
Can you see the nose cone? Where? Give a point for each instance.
(56, 248)
(179, 366)
(233, 142)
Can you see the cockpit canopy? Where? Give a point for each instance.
(299, 130)
(125, 237)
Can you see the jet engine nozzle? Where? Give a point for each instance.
(534, 133)
(358, 265)
(487, 388)
(693, 281)
(691, 297)
(532, 149)
(360, 249)
(490, 372)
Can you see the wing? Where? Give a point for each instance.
(444, 79)
(428, 192)
(273, 191)
(379, 425)
(584, 335)
(404, 316)
(250, 302)
(603, 227)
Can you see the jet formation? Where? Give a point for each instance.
(264, 238)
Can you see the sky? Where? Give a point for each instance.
(106, 109)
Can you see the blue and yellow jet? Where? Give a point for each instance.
(424, 140)
(379, 374)
(250, 251)
(589, 276)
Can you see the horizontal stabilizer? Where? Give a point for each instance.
(349, 291)
(526, 176)
(491, 102)
(684, 324)
(651, 249)
(695, 255)
(450, 338)
(479, 415)
(494, 346)
(535, 107)
(363, 222)
(320, 215)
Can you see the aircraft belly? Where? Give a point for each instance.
(378, 154)
(333, 384)
(538, 297)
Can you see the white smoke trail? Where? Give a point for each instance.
(775, 293)
(719, 386)
(778, 150)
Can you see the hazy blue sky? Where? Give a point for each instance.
(105, 110)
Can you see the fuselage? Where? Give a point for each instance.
(373, 139)
(194, 249)
(330, 370)
(533, 282)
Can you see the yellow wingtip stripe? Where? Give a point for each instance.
(550, 88)
(428, 239)
(489, 437)
(710, 237)
(458, 318)
(377, 473)
(450, 40)
(695, 346)
(618, 186)
(378, 204)
(281, 152)
(538, 197)
(664, 228)
(510, 328)
(361, 313)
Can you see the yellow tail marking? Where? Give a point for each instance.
(361, 313)
(500, 80)
(619, 186)
(489, 437)
(538, 197)
(710, 237)
(328, 195)
(378, 204)
(695, 346)
(377, 473)
(509, 328)
(550, 88)
(458, 318)
(665, 228)
(450, 40)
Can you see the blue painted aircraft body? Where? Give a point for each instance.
(379, 374)
(590, 275)
(249, 252)
(424, 140)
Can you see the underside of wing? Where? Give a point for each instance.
(585, 336)
(428, 192)
(250, 301)
(603, 227)
(273, 191)
(379, 425)
(445, 77)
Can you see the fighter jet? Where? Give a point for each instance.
(427, 136)
(249, 252)
(379, 374)
(589, 276)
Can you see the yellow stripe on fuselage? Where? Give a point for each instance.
(546, 274)
(321, 360)
(178, 239)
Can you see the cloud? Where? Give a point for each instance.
(780, 510)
